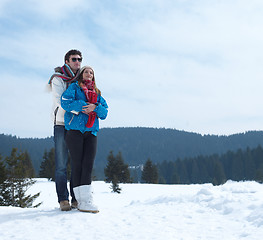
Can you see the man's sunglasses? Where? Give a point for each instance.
(75, 59)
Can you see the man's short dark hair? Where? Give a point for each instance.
(72, 52)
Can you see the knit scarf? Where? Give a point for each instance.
(65, 73)
(91, 95)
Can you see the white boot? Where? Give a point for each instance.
(77, 195)
(86, 196)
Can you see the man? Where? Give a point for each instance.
(59, 82)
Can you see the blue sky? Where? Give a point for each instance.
(188, 65)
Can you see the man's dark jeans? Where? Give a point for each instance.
(61, 162)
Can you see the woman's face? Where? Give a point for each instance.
(88, 74)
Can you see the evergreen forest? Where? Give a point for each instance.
(180, 157)
(241, 165)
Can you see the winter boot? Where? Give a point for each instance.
(74, 204)
(86, 196)
(64, 205)
(76, 191)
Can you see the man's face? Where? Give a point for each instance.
(74, 62)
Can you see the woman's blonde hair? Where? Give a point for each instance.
(80, 78)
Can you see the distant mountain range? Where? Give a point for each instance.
(139, 144)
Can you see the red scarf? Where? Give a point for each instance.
(91, 96)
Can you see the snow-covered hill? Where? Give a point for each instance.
(143, 211)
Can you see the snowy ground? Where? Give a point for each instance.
(143, 211)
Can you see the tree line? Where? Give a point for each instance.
(241, 165)
(139, 144)
(217, 169)
(16, 172)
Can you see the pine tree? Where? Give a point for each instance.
(219, 175)
(29, 169)
(116, 171)
(195, 173)
(116, 167)
(259, 174)
(2, 171)
(3, 187)
(150, 172)
(47, 168)
(181, 169)
(175, 178)
(17, 183)
(110, 169)
(123, 169)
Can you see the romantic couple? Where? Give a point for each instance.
(77, 107)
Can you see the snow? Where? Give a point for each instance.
(143, 211)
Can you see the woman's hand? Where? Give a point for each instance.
(88, 108)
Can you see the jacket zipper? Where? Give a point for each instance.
(71, 119)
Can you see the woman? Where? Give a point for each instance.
(83, 104)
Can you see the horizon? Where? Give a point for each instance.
(161, 128)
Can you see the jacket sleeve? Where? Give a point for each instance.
(69, 102)
(58, 87)
(102, 108)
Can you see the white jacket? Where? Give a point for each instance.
(58, 87)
